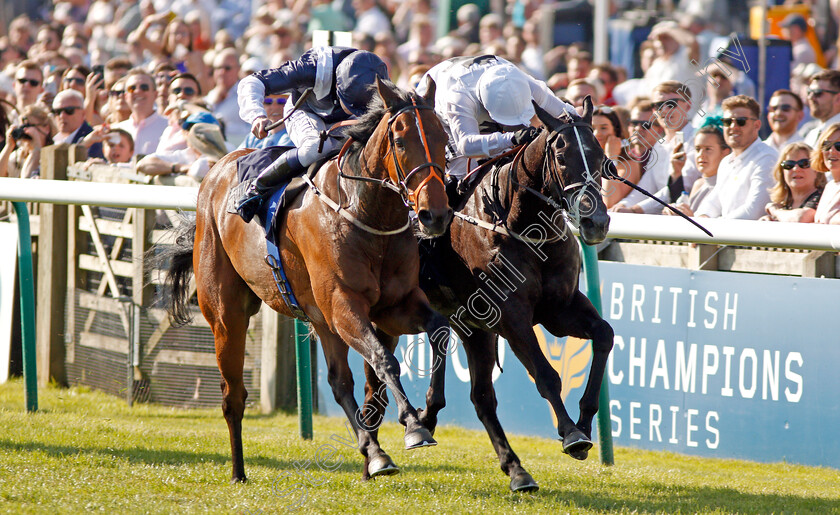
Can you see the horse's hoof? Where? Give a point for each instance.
(523, 482)
(236, 480)
(576, 445)
(382, 466)
(419, 438)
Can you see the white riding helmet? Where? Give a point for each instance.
(505, 92)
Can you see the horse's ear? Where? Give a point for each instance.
(543, 115)
(429, 97)
(588, 109)
(389, 96)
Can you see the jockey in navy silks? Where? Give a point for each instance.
(340, 80)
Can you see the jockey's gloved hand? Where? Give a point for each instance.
(526, 135)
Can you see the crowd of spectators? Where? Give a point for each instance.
(154, 83)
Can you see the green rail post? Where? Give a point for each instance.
(303, 356)
(593, 291)
(27, 307)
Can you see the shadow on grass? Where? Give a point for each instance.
(669, 498)
(146, 456)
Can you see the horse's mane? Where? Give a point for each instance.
(364, 128)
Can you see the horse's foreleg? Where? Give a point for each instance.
(524, 344)
(377, 461)
(357, 330)
(480, 349)
(581, 319)
(340, 378)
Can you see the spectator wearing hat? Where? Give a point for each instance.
(795, 29)
(145, 125)
(188, 166)
(69, 114)
(784, 113)
(824, 102)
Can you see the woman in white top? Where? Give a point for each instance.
(710, 148)
(826, 158)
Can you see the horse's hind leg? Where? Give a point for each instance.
(340, 379)
(480, 349)
(227, 304)
(581, 319)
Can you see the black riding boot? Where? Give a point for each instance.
(252, 198)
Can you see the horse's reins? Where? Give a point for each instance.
(409, 197)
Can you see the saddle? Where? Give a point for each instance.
(248, 167)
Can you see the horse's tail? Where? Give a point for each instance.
(177, 260)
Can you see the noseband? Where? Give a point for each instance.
(409, 197)
(556, 183)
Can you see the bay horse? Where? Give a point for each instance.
(353, 269)
(512, 243)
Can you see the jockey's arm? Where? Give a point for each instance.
(461, 111)
(293, 75)
(544, 98)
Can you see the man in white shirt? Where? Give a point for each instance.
(746, 175)
(824, 102)
(784, 113)
(145, 125)
(645, 133)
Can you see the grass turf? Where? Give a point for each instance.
(86, 451)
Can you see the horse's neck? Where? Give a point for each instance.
(374, 203)
(522, 206)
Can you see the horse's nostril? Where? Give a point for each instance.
(425, 216)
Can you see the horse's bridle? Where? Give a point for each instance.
(409, 197)
(559, 188)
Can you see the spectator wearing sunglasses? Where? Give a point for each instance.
(826, 158)
(74, 78)
(145, 125)
(645, 149)
(671, 106)
(278, 137)
(824, 102)
(69, 114)
(746, 175)
(29, 84)
(784, 114)
(117, 109)
(184, 90)
(798, 187)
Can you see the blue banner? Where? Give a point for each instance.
(705, 363)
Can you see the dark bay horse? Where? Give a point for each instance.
(511, 243)
(354, 271)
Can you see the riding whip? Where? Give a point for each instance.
(617, 177)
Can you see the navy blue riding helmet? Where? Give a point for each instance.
(353, 78)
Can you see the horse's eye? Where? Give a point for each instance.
(399, 143)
